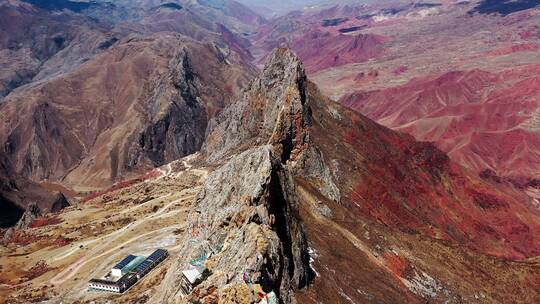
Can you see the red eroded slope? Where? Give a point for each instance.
(414, 187)
(526, 47)
(483, 120)
(527, 35)
(321, 50)
(420, 97)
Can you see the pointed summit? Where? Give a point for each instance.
(272, 110)
(283, 70)
(257, 140)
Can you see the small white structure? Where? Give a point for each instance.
(128, 272)
(115, 272)
(117, 269)
(104, 285)
(189, 277)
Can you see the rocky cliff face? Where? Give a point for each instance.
(295, 168)
(266, 111)
(140, 104)
(247, 215)
(177, 121)
(249, 205)
(32, 212)
(17, 194)
(274, 110)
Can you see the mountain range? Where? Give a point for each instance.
(358, 152)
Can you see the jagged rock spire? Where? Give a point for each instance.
(32, 212)
(272, 110)
(282, 72)
(250, 203)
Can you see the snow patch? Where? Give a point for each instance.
(365, 294)
(423, 285)
(158, 243)
(344, 295)
(380, 18)
(312, 256)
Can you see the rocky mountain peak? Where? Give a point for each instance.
(283, 70)
(272, 110)
(285, 74)
(252, 196)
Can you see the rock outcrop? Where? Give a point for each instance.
(25, 221)
(247, 217)
(247, 212)
(294, 168)
(32, 212)
(141, 103)
(265, 112)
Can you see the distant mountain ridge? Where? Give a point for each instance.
(154, 114)
(459, 73)
(105, 91)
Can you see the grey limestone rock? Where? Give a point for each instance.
(32, 212)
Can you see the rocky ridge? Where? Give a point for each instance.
(249, 205)
(297, 195)
(283, 182)
(157, 113)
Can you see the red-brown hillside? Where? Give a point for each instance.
(415, 187)
(395, 218)
(323, 39)
(322, 50)
(483, 120)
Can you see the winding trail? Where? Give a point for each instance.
(75, 267)
(100, 250)
(144, 204)
(166, 172)
(112, 235)
(188, 166)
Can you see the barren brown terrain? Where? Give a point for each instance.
(85, 241)
(449, 72)
(386, 152)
